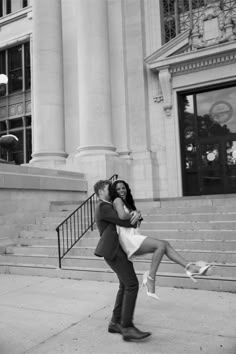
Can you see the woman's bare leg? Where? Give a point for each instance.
(158, 248)
(174, 256)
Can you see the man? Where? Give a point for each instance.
(106, 219)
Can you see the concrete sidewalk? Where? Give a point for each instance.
(53, 316)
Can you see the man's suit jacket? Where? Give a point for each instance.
(106, 219)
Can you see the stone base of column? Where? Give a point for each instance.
(49, 159)
(96, 149)
(145, 181)
(100, 166)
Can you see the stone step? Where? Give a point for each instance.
(203, 201)
(65, 206)
(189, 225)
(56, 220)
(37, 241)
(38, 234)
(16, 218)
(208, 246)
(10, 231)
(49, 227)
(194, 234)
(46, 233)
(164, 279)
(172, 225)
(154, 211)
(20, 258)
(62, 214)
(179, 205)
(220, 245)
(188, 210)
(180, 244)
(190, 217)
(160, 234)
(190, 255)
(50, 219)
(157, 211)
(140, 265)
(4, 243)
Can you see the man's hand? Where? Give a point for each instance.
(135, 216)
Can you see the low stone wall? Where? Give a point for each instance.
(25, 191)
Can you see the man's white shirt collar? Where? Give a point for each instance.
(106, 201)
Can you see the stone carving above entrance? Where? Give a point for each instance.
(213, 33)
(213, 26)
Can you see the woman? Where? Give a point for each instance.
(135, 244)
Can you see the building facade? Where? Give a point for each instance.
(142, 88)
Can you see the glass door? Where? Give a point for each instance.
(208, 141)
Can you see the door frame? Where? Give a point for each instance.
(222, 140)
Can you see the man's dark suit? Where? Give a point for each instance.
(106, 216)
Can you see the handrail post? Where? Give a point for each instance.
(91, 213)
(59, 247)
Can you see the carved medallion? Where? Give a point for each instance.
(221, 112)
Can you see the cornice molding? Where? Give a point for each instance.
(15, 41)
(223, 49)
(16, 16)
(204, 63)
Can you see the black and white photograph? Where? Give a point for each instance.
(117, 176)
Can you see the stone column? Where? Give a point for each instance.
(96, 155)
(94, 78)
(47, 80)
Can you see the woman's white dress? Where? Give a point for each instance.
(130, 239)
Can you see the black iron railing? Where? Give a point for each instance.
(70, 230)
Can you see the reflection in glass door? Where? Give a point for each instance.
(208, 141)
(230, 166)
(211, 176)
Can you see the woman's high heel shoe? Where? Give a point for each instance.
(144, 284)
(203, 267)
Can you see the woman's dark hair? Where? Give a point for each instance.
(129, 201)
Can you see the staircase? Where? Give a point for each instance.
(202, 228)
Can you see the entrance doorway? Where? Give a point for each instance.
(208, 140)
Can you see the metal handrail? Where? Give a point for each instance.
(75, 225)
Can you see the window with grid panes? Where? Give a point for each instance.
(22, 128)
(15, 62)
(10, 6)
(181, 15)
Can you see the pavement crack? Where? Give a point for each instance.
(34, 309)
(194, 332)
(65, 329)
(51, 337)
(21, 288)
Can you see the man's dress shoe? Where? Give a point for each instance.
(133, 333)
(114, 327)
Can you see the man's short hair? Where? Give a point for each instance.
(100, 185)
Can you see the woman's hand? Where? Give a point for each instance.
(135, 216)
